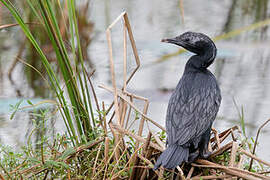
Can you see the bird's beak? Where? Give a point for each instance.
(168, 40)
(174, 41)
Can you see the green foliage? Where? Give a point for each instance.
(162, 135)
(15, 108)
(75, 77)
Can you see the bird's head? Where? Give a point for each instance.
(197, 43)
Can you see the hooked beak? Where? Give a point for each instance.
(183, 44)
(174, 41)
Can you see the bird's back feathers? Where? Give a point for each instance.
(192, 107)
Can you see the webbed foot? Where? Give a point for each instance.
(193, 156)
(205, 154)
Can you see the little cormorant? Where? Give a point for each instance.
(193, 105)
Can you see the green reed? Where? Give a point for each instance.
(75, 108)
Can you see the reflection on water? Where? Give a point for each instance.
(242, 65)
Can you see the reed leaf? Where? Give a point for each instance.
(79, 97)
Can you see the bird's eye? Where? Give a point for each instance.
(187, 39)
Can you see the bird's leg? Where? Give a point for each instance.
(193, 153)
(193, 156)
(203, 145)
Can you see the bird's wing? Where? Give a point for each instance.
(192, 109)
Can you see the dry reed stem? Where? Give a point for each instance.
(210, 147)
(141, 126)
(128, 163)
(255, 143)
(137, 97)
(234, 172)
(111, 156)
(146, 144)
(139, 138)
(104, 120)
(212, 177)
(222, 149)
(84, 147)
(181, 173)
(240, 163)
(93, 91)
(2, 177)
(160, 173)
(250, 173)
(111, 117)
(121, 112)
(146, 160)
(160, 143)
(129, 112)
(181, 7)
(116, 20)
(117, 153)
(133, 45)
(15, 61)
(203, 165)
(145, 154)
(134, 107)
(233, 136)
(230, 131)
(116, 108)
(116, 164)
(123, 96)
(30, 169)
(109, 109)
(225, 136)
(233, 154)
(18, 167)
(190, 172)
(225, 133)
(199, 175)
(132, 41)
(15, 24)
(254, 157)
(217, 139)
(95, 163)
(106, 151)
(124, 58)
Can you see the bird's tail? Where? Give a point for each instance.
(173, 156)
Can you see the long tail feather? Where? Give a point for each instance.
(173, 156)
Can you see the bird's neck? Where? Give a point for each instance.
(201, 61)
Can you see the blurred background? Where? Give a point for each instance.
(241, 67)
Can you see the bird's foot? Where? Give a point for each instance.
(205, 154)
(193, 156)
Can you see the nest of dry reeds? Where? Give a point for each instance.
(228, 160)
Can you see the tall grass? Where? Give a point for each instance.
(75, 108)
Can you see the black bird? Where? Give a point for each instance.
(193, 105)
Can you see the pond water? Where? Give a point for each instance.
(241, 67)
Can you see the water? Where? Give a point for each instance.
(242, 64)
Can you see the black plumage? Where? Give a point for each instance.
(193, 105)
